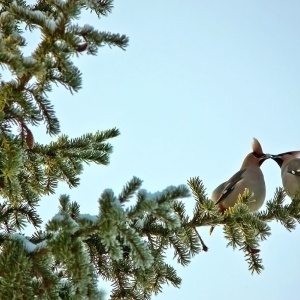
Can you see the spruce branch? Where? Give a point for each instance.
(287, 215)
(126, 246)
(51, 61)
(205, 211)
(13, 254)
(198, 189)
(129, 189)
(194, 242)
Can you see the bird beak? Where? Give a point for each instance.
(267, 156)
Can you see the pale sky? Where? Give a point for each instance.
(198, 81)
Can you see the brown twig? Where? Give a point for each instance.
(204, 247)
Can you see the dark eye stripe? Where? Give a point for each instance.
(257, 155)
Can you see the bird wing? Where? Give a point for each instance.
(230, 184)
(217, 191)
(294, 167)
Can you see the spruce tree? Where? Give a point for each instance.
(125, 245)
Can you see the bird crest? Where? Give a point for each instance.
(293, 153)
(256, 147)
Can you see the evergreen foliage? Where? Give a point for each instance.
(123, 244)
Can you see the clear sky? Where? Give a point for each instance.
(198, 81)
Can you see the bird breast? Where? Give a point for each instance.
(253, 180)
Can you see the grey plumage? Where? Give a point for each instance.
(289, 162)
(249, 176)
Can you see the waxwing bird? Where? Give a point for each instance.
(289, 162)
(248, 177)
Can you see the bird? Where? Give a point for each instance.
(248, 177)
(289, 162)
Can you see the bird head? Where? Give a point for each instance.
(286, 156)
(257, 156)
